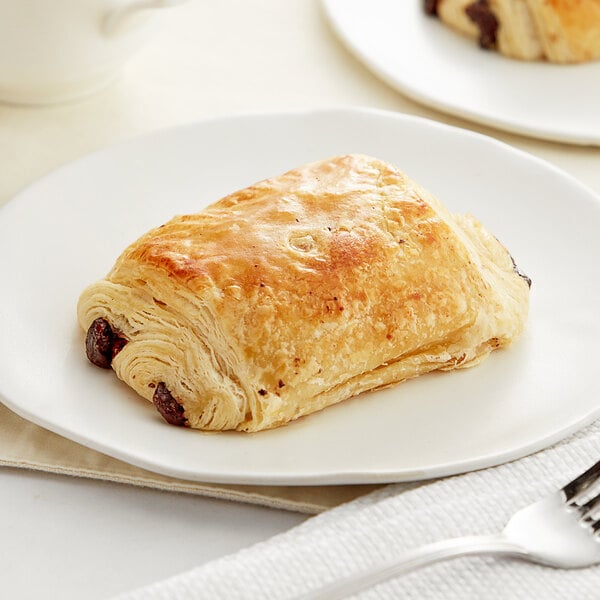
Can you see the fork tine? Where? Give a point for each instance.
(591, 505)
(589, 508)
(581, 483)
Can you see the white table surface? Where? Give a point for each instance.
(73, 538)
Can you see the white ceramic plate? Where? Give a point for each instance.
(66, 230)
(432, 64)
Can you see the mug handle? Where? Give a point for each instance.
(119, 21)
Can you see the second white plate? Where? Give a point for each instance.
(66, 231)
(434, 65)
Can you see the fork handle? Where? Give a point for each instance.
(415, 559)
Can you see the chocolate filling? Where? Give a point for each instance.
(167, 406)
(102, 344)
(480, 13)
(430, 6)
(520, 273)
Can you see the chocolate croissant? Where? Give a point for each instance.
(298, 292)
(560, 31)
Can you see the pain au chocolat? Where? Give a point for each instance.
(299, 292)
(560, 31)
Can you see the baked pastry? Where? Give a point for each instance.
(298, 292)
(560, 31)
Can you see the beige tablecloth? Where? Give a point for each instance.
(25, 445)
(210, 59)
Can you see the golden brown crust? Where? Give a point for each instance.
(302, 290)
(569, 30)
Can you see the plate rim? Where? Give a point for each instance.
(297, 112)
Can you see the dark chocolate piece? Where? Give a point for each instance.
(430, 6)
(480, 13)
(167, 406)
(99, 343)
(102, 344)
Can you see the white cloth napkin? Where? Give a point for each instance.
(381, 525)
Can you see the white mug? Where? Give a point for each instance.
(60, 50)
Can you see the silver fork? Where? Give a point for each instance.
(560, 531)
